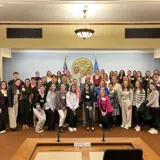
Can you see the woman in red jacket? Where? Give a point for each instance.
(105, 108)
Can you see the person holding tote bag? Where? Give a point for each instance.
(153, 103)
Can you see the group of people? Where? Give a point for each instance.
(40, 99)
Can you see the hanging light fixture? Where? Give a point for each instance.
(84, 32)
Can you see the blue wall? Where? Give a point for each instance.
(28, 63)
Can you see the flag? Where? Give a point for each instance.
(95, 65)
(65, 68)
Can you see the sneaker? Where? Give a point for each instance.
(39, 131)
(70, 129)
(100, 125)
(23, 127)
(1, 132)
(122, 126)
(126, 127)
(65, 125)
(138, 128)
(153, 131)
(61, 129)
(150, 130)
(27, 127)
(74, 129)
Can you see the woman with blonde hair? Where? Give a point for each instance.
(126, 100)
(105, 109)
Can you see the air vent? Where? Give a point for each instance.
(142, 32)
(24, 33)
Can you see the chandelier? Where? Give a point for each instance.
(84, 32)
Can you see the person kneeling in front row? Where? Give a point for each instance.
(105, 108)
(39, 110)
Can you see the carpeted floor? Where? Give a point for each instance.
(11, 141)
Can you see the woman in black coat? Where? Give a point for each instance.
(3, 106)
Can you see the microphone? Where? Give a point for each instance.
(58, 140)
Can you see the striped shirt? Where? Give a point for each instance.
(139, 97)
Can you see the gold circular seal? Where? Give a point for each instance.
(83, 64)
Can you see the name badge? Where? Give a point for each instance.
(63, 97)
(103, 99)
(147, 79)
(23, 89)
(96, 77)
(132, 78)
(41, 100)
(87, 97)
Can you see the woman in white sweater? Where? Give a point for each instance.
(72, 104)
(153, 103)
(126, 100)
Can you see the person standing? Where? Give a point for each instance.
(38, 110)
(153, 103)
(105, 109)
(65, 82)
(77, 75)
(34, 92)
(3, 106)
(25, 100)
(15, 77)
(113, 96)
(97, 78)
(48, 76)
(50, 107)
(139, 96)
(37, 77)
(13, 103)
(72, 104)
(116, 86)
(88, 100)
(126, 100)
(61, 106)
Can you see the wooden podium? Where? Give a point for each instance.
(78, 148)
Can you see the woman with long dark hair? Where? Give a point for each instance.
(88, 100)
(72, 99)
(13, 103)
(25, 100)
(120, 77)
(3, 106)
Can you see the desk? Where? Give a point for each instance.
(37, 148)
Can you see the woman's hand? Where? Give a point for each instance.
(129, 107)
(120, 106)
(90, 108)
(0, 110)
(87, 107)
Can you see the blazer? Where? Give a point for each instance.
(104, 104)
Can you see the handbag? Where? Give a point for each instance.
(147, 115)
